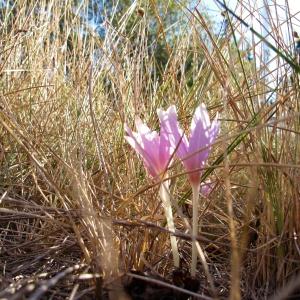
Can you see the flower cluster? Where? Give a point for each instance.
(156, 150)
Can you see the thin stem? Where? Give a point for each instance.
(196, 190)
(165, 197)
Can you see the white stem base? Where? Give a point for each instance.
(165, 197)
(196, 190)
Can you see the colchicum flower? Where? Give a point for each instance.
(193, 154)
(156, 151)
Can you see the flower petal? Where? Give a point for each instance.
(165, 149)
(137, 144)
(214, 130)
(203, 134)
(154, 149)
(206, 187)
(199, 139)
(141, 127)
(169, 124)
(200, 114)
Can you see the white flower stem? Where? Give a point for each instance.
(196, 190)
(165, 197)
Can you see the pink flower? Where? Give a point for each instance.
(194, 152)
(154, 149)
(206, 187)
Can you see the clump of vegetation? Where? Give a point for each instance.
(80, 216)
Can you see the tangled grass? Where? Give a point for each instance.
(78, 211)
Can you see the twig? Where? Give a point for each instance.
(44, 287)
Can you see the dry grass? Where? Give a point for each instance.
(77, 209)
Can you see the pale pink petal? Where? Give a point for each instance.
(154, 149)
(203, 134)
(200, 115)
(135, 142)
(206, 188)
(169, 123)
(132, 142)
(214, 130)
(151, 146)
(149, 141)
(199, 139)
(141, 127)
(165, 149)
